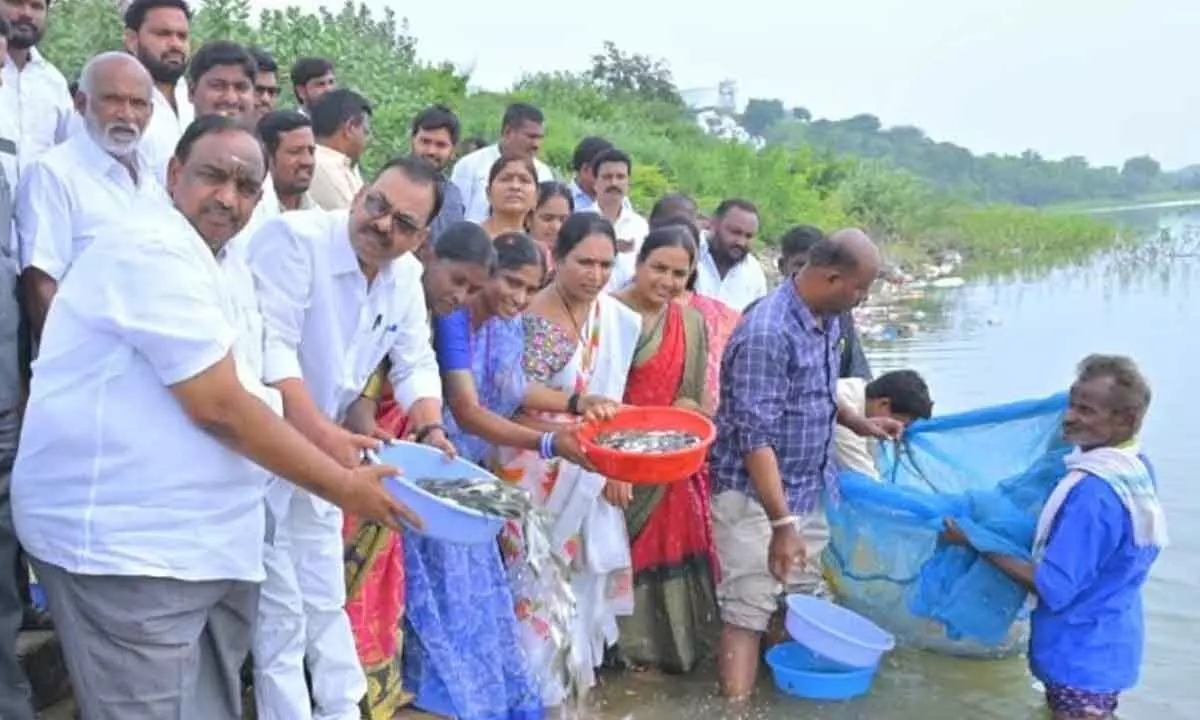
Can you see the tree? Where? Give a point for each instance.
(640, 76)
(802, 114)
(1141, 173)
(761, 115)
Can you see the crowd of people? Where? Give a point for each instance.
(210, 315)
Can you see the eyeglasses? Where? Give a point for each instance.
(377, 206)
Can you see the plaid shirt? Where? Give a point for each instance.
(778, 389)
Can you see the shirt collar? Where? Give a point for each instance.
(98, 157)
(804, 314)
(340, 157)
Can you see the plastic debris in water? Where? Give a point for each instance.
(647, 441)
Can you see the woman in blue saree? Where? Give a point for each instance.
(462, 658)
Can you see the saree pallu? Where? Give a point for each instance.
(670, 525)
(375, 595)
(720, 320)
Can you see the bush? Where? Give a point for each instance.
(375, 56)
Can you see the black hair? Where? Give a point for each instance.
(218, 53)
(674, 204)
(307, 69)
(518, 114)
(504, 161)
(664, 221)
(735, 203)
(611, 155)
(278, 122)
(799, 240)
(578, 227)
(135, 14)
(588, 148)
(6, 29)
(668, 236)
(211, 124)
(336, 108)
(474, 142)
(420, 171)
(1130, 390)
(465, 242)
(263, 59)
(515, 250)
(437, 117)
(551, 189)
(828, 253)
(905, 391)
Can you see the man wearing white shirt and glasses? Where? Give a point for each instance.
(727, 270)
(521, 133)
(158, 34)
(339, 292)
(74, 192)
(33, 93)
(137, 489)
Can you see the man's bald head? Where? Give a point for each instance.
(115, 101)
(840, 271)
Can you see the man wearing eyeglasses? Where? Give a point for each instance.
(342, 124)
(339, 292)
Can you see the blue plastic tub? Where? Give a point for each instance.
(800, 672)
(833, 632)
(443, 520)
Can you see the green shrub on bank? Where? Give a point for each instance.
(376, 56)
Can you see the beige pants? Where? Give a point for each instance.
(748, 594)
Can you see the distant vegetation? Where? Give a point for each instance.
(632, 100)
(1025, 179)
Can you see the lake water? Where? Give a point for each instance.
(998, 341)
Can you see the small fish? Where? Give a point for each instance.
(647, 441)
(488, 496)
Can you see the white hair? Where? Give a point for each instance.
(93, 68)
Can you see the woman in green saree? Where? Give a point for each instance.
(669, 525)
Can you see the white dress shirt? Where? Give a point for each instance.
(112, 477)
(471, 176)
(165, 128)
(743, 284)
(630, 227)
(854, 452)
(36, 100)
(336, 179)
(326, 326)
(71, 195)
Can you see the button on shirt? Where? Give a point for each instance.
(471, 176)
(743, 284)
(165, 128)
(112, 477)
(778, 384)
(37, 101)
(71, 195)
(335, 181)
(325, 326)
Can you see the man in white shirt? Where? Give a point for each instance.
(33, 93)
(158, 34)
(137, 489)
(74, 192)
(291, 148)
(339, 292)
(342, 126)
(727, 270)
(521, 132)
(611, 169)
(14, 687)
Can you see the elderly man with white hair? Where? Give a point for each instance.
(72, 191)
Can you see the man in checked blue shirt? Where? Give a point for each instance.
(774, 454)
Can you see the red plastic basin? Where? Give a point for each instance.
(649, 468)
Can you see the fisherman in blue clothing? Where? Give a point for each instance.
(1097, 536)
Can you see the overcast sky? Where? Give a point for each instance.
(1106, 79)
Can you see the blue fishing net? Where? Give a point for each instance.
(992, 470)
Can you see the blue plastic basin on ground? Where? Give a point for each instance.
(443, 520)
(800, 672)
(835, 633)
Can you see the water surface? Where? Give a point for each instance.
(1000, 340)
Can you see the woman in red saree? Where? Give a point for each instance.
(669, 525)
